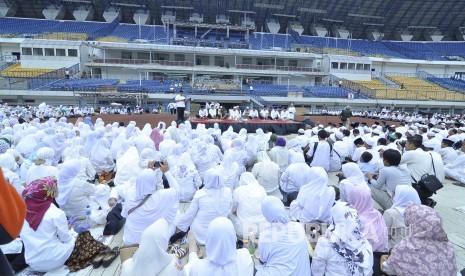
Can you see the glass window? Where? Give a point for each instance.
(334, 65)
(38, 52)
(72, 53)
(27, 51)
(366, 67)
(292, 63)
(359, 66)
(343, 65)
(49, 51)
(351, 66)
(61, 52)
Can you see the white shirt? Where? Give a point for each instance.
(180, 101)
(448, 155)
(48, 247)
(295, 176)
(322, 155)
(212, 112)
(36, 172)
(418, 162)
(203, 113)
(79, 199)
(204, 208)
(254, 113)
(264, 113)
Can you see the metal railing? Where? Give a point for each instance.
(280, 68)
(123, 61)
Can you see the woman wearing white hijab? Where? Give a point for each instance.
(147, 129)
(246, 209)
(267, 174)
(282, 245)
(229, 170)
(296, 154)
(142, 142)
(354, 177)
(74, 194)
(160, 203)
(202, 161)
(58, 143)
(315, 199)
(262, 139)
(222, 256)
(42, 165)
(239, 153)
(343, 250)
(404, 196)
(100, 157)
(87, 172)
(187, 176)
(126, 171)
(213, 150)
(213, 201)
(7, 163)
(151, 257)
(71, 151)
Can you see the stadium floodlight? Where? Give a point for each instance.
(284, 15)
(365, 16)
(78, 1)
(127, 4)
(268, 6)
(309, 10)
(373, 24)
(178, 7)
(421, 27)
(239, 11)
(332, 20)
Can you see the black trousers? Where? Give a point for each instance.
(180, 112)
(173, 111)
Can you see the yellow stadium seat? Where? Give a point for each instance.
(16, 71)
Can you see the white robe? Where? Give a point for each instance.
(53, 237)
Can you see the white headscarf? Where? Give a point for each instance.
(404, 196)
(46, 154)
(153, 245)
(68, 173)
(274, 211)
(146, 156)
(101, 151)
(316, 197)
(347, 240)
(221, 251)
(147, 130)
(7, 161)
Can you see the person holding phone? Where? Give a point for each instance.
(149, 201)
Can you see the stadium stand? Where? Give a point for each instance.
(83, 84)
(329, 92)
(264, 89)
(152, 86)
(449, 83)
(120, 32)
(16, 71)
(426, 89)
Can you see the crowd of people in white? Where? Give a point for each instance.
(237, 186)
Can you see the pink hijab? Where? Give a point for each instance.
(426, 250)
(373, 225)
(156, 137)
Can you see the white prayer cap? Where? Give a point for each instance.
(339, 135)
(430, 134)
(370, 142)
(321, 126)
(301, 131)
(411, 132)
(428, 144)
(377, 132)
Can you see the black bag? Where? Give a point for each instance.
(430, 183)
(114, 220)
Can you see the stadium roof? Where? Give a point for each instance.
(446, 16)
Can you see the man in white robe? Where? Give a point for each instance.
(320, 152)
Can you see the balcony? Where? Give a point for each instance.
(122, 61)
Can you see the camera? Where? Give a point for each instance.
(401, 143)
